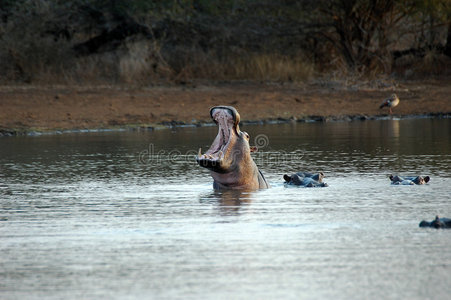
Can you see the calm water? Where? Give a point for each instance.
(131, 216)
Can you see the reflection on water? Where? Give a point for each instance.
(131, 215)
(227, 202)
(393, 129)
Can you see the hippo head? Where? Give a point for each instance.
(228, 144)
(305, 179)
(437, 223)
(410, 180)
(294, 179)
(229, 157)
(421, 180)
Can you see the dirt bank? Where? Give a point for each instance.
(24, 108)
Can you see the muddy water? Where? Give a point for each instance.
(131, 216)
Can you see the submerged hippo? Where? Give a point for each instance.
(411, 180)
(229, 157)
(437, 223)
(305, 179)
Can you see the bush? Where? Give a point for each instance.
(27, 51)
(146, 41)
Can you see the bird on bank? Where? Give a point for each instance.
(390, 102)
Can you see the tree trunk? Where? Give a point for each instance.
(447, 51)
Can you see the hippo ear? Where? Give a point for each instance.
(254, 149)
(287, 178)
(426, 179)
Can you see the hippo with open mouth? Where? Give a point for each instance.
(411, 180)
(305, 179)
(437, 223)
(229, 157)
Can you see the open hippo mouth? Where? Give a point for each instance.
(229, 157)
(227, 118)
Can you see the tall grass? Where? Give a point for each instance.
(270, 67)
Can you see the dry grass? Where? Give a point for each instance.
(432, 64)
(248, 66)
(141, 63)
(138, 62)
(271, 67)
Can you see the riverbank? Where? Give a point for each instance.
(71, 108)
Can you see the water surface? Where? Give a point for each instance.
(131, 216)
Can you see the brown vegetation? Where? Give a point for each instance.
(145, 42)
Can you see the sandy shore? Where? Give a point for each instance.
(49, 108)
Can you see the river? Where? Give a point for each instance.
(130, 215)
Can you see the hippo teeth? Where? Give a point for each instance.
(210, 156)
(225, 121)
